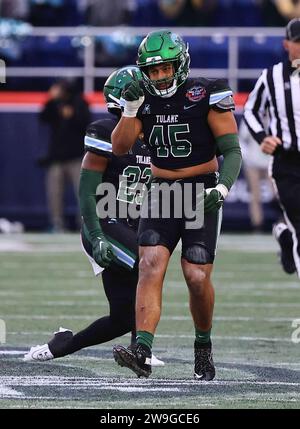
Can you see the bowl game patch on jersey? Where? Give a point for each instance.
(196, 93)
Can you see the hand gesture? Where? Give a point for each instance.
(134, 97)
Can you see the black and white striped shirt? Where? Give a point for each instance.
(275, 101)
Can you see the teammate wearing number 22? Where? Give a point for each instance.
(109, 242)
(186, 122)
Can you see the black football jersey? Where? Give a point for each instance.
(130, 174)
(176, 129)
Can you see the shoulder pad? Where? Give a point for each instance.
(97, 145)
(102, 128)
(221, 96)
(216, 85)
(226, 103)
(97, 138)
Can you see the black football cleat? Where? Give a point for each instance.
(284, 238)
(137, 357)
(204, 365)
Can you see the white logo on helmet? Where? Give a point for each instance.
(158, 58)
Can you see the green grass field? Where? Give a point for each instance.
(47, 282)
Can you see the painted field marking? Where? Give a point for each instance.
(163, 318)
(214, 337)
(113, 383)
(8, 392)
(87, 294)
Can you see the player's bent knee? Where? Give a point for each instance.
(197, 255)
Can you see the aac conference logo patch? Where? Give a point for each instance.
(196, 93)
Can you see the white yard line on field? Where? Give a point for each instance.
(178, 335)
(88, 293)
(113, 383)
(164, 318)
(7, 392)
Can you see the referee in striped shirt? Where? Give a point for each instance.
(275, 101)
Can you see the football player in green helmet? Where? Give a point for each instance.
(187, 122)
(110, 243)
(115, 84)
(170, 52)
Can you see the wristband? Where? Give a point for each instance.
(131, 107)
(222, 189)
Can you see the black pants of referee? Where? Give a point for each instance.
(285, 172)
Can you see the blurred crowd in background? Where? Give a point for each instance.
(19, 49)
(151, 12)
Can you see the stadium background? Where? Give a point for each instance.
(234, 41)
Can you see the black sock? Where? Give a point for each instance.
(100, 331)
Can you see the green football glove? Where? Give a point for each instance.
(103, 252)
(133, 96)
(214, 198)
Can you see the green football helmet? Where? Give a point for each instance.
(163, 46)
(114, 85)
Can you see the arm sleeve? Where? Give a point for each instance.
(89, 181)
(229, 147)
(255, 109)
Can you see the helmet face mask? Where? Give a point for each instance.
(114, 86)
(160, 47)
(163, 87)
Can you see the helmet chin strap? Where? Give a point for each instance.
(167, 93)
